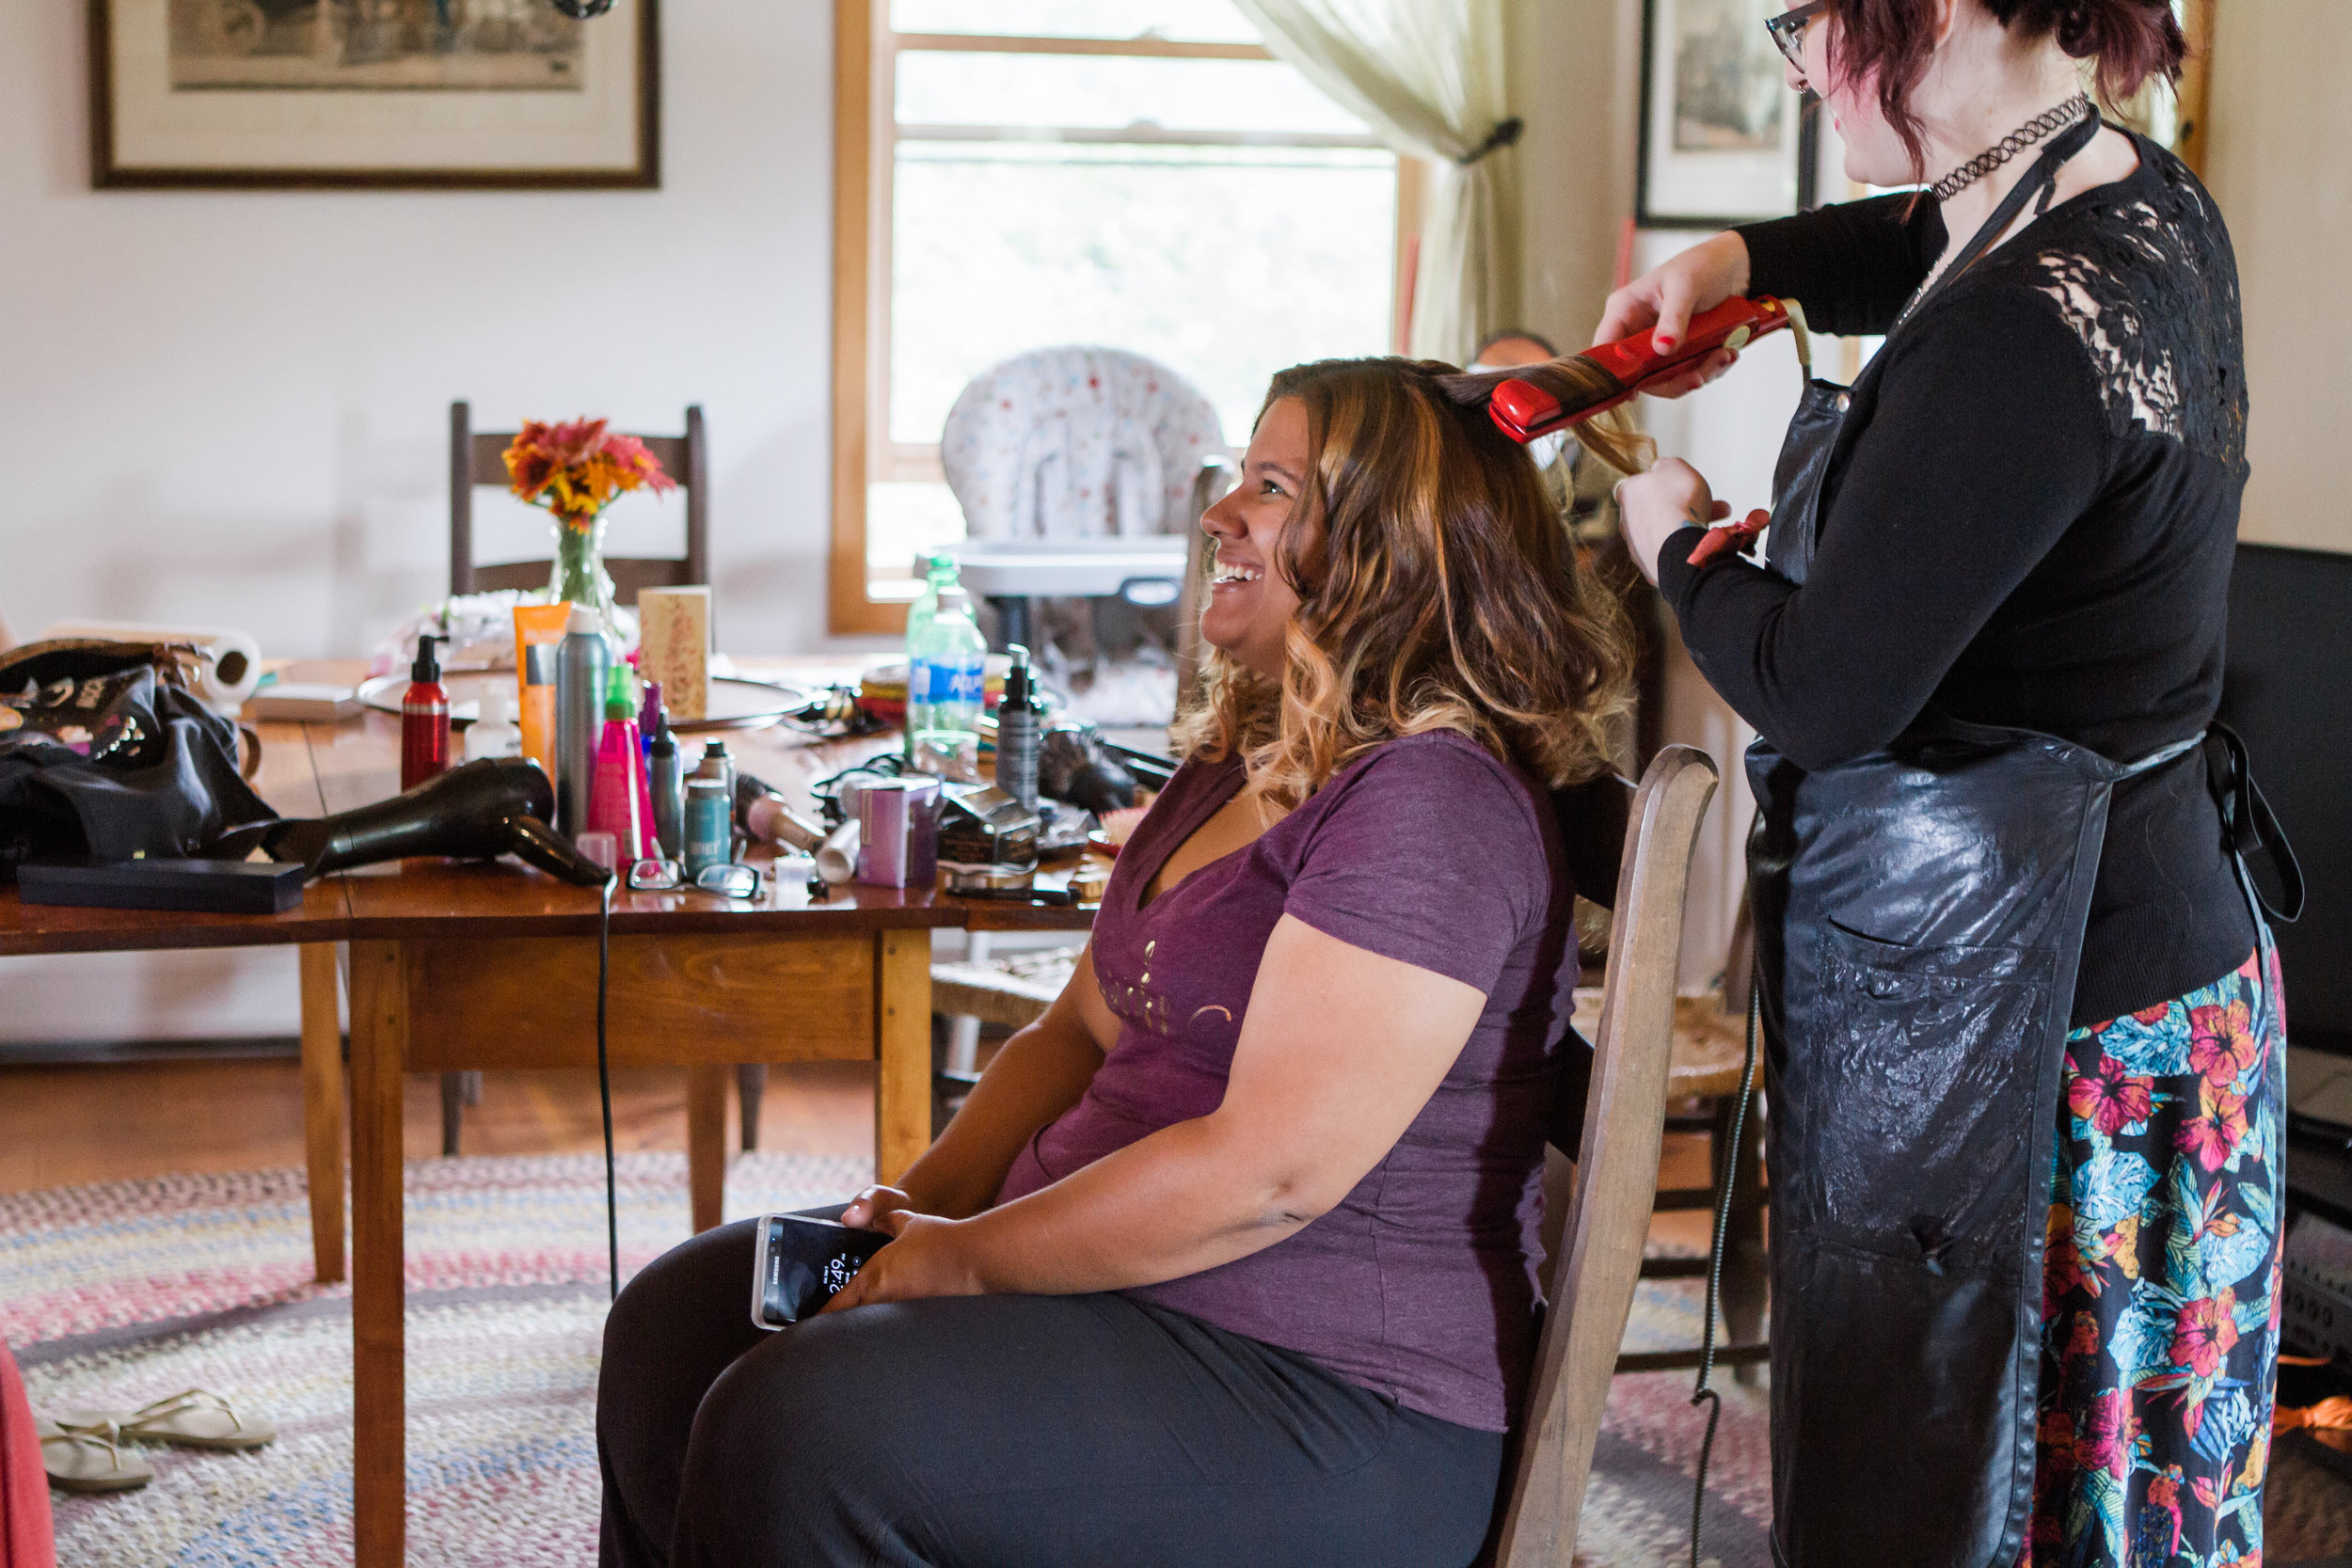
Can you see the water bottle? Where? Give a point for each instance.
(581, 665)
(938, 571)
(946, 664)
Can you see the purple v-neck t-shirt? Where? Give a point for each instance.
(1421, 1284)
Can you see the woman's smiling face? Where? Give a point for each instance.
(1250, 605)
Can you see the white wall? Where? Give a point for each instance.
(2279, 160)
(230, 409)
(1577, 82)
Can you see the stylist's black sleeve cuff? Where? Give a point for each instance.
(1677, 576)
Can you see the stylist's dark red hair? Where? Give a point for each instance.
(2130, 39)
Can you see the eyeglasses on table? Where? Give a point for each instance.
(730, 878)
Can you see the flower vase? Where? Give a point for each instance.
(579, 574)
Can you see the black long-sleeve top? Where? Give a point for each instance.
(2029, 520)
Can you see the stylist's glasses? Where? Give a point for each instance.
(1787, 31)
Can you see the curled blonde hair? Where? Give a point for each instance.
(1437, 591)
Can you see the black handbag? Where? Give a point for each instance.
(105, 754)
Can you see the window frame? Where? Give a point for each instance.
(865, 136)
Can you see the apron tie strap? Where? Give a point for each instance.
(2247, 825)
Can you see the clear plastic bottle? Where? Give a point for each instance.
(938, 570)
(946, 668)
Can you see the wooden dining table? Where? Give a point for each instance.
(459, 966)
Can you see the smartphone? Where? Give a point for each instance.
(800, 1264)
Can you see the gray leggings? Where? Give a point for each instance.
(1027, 1432)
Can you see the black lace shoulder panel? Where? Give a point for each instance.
(2147, 280)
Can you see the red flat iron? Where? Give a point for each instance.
(1611, 373)
(1523, 410)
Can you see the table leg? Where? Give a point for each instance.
(323, 1107)
(902, 1021)
(706, 1143)
(380, 1037)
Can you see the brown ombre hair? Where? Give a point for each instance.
(1437, 591)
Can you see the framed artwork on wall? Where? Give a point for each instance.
(1724, 139)
(373, 93)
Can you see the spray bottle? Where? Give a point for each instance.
(710, 811)
(618, 801)
(423, 719)
(1020, 729)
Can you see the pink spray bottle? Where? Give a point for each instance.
(619, 801)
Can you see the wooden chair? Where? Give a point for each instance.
(1598, 1261)
(476, 458)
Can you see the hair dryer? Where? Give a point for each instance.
(487, 808)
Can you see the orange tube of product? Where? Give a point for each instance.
(538, 627)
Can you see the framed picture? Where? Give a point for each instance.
(348, 93)
(1723, 139)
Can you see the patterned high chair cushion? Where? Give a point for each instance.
(1075, 443)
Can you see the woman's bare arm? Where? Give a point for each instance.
(1036, 1075)
(1338, 1052)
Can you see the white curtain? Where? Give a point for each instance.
(1428, 76)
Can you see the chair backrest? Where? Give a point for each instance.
(1077, 442)
(1599, 1257)
(476, 458)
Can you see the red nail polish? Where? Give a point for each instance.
(1665, 342)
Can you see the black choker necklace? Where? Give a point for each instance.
(2042, 125)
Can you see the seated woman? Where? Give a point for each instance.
(1230, 1256)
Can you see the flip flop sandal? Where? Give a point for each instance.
(192, 1419)
(90, 1458)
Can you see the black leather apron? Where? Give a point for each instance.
(1919, 917)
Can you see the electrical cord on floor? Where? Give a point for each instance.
(1730, 1157)
(604, 1084)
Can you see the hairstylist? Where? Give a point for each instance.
(2013, 984)
(1230, 1258)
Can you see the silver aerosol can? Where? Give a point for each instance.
(582, 667)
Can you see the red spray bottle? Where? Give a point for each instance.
(423, 719)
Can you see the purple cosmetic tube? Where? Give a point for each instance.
(898, 832)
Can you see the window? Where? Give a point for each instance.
(1015, 174)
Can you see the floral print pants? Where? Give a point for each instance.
(2160, 1294)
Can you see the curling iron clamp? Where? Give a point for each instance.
(1524, 411)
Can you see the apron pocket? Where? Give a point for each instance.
(1934, 1053)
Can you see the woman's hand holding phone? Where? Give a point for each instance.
(866, 1210)
(926, 1258)
(1664, 299)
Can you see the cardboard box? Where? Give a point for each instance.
(674, 639)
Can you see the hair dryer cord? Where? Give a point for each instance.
(1730, 1160)
(604, 1082)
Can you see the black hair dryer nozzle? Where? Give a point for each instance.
(487, 808)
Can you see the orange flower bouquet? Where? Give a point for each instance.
(576, 469)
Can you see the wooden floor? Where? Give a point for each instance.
(116, 1122)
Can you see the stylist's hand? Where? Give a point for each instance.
(1651, 506)
(928, 1258)
(1668, 295)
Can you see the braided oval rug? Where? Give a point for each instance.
(118, 1293)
